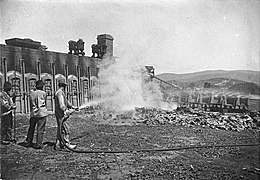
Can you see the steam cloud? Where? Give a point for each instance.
(124, 84)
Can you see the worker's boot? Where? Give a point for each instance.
(28, 143)
(58, 145)
(71, 146)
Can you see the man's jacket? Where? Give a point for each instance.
(61, 104)
(38, 103)
(6, 103)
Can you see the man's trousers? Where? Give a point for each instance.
(41, 123)
(6, 127)
(64, 130)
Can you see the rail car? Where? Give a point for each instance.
(226, 102)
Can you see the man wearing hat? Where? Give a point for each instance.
(7, 106)
(37, 116)
(62, 107)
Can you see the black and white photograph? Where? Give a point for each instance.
(130, 89)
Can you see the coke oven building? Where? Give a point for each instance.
(24, 61)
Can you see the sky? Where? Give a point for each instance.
(175, 36)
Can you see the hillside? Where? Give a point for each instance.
(216, 82)
(247, 88)
(240, 75)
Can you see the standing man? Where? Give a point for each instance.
(62, 112)
(37, 116)
(7, 106)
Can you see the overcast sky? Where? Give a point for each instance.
(175, 36)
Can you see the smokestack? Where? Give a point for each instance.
(106, 40)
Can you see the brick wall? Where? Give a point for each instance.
(31, 56)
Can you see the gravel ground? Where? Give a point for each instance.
(18, 162)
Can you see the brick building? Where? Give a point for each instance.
(24, 61)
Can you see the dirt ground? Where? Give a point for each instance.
(19, 162)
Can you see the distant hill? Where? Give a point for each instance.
(246, 88)
(239, 75)
(216, 82)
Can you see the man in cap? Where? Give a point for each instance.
(37, 116)
(7, 106)
(62, 112)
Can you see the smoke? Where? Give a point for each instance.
(125, 84)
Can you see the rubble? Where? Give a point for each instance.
(190, 117)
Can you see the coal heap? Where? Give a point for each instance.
(181, 117)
